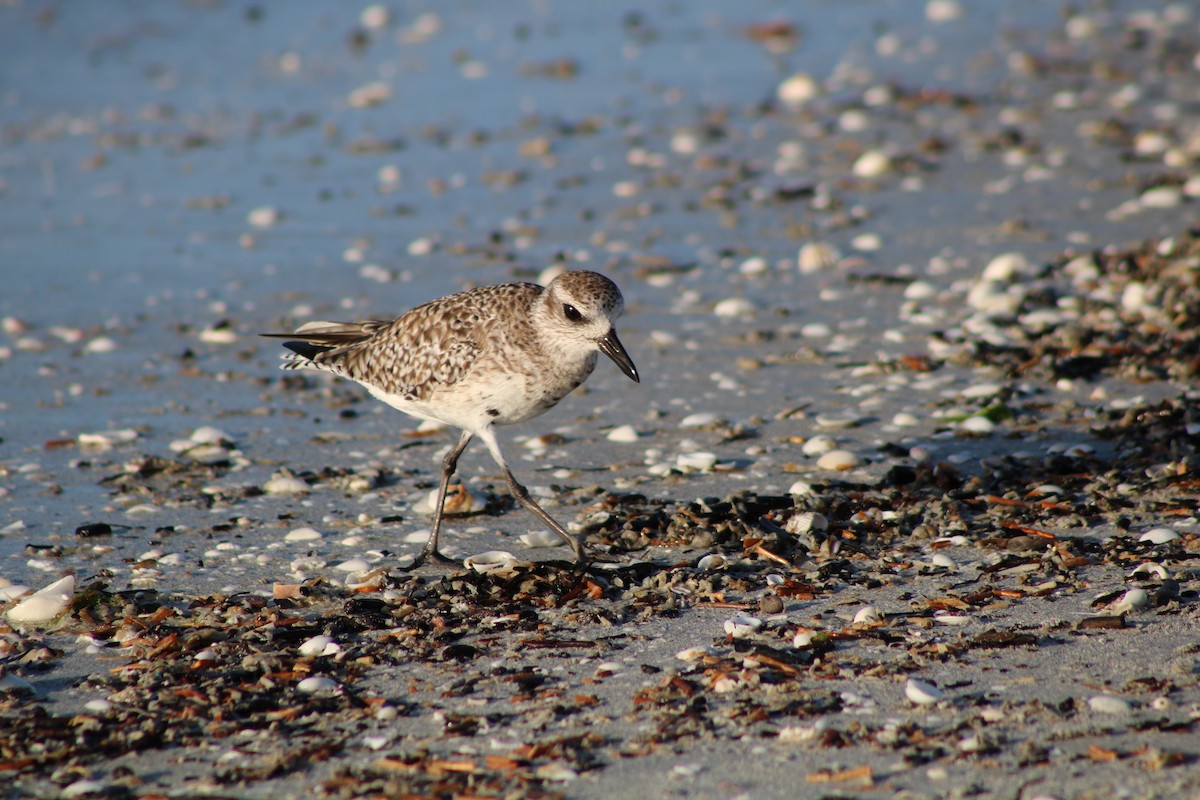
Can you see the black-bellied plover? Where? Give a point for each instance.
(496, 355)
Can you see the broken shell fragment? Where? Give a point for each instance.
(45, 604)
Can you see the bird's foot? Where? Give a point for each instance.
(425, 557)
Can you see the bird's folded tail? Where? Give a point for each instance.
(320, 345)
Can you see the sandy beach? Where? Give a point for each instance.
(904, 505)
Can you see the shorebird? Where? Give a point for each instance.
(495, 355)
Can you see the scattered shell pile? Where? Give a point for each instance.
(1129, 313)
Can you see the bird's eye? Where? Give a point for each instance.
(571, 312)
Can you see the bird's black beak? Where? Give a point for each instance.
(611, 346)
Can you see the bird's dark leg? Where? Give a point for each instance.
(522, 496)
(449, 464)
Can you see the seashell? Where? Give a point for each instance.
(869, 614)
(1109, 704)
(12, 591)
(700, 419)
(541, 538)
(696, 462)
(1162, 703)
(302, 535)
(1161, 197)
(817, 257)
(317, 684)
(951, 619)
(804, 637)
(838, 421)
(818, 445)
(1136, 599)
(264, 217)
(922, 693)
(804, 733)
(376, 742)
(798, 91)
(99, 705)
(556, 771)
(838, 460)
(624, 434)
(285, 484)
(320, 646)
(45, 604)
(801, 488)
(459, 501)
(977, 426)
(806, 522)
(904, 419)
(1150, 570)
(943, 10)
(353, 565)
(943, 560)
(84, 787)
(493, 562)
(711, 561)
(741, 625)
(755, 265)
(873, 163)
(1159, 536)
(734, 307)
(1007, 267)
(694, 653)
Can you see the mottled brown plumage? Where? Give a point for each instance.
(496, 355)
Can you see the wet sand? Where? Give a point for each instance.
(903, 506)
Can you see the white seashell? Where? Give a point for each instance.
(973, 743)
(711, 561)
(943, 560)
(804, 637)
(817, 257)
(1162, 703)
(1109, 704)
(1149, 569)
(1159, 536)
(868, 614)
(838, 460)
(10, 682)
(804, 733)
(838, 421)
(806, 521)
(818, 445)
(920, 290)
(623, 433)
(493, 562)
(1136, 599)
(99, 706)
(376, 742)
(872, 164)
(285, 484)
(1007, 267)
(101, 344)
(700, 419)
(45, 604)
(943, 10)
(696, 462)
(800, 488)
(982, 390)
(317, 684)
(977, 425)
(264, 217)
(1161, 197)
(741, 625)
(694, 653)
(556, 771)
(951, 619)
(734, 307)
(12, 591)
(922, 693)
(84, 787)
(320, 646)
(798, 90)
(302, 535)
(353, 565)
(904, 419)
(755, 265)
(459, 500)
(369, 94)
(207, 654)
(541, 538)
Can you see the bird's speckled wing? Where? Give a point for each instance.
(432, 346)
